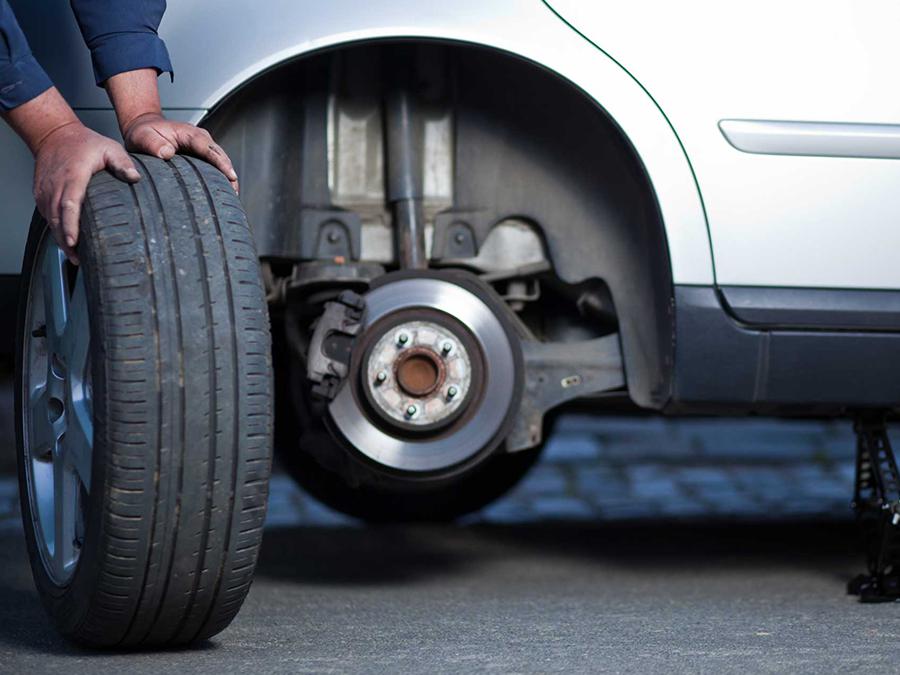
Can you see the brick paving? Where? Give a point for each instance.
(641, 468)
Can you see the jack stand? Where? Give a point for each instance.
(876, 500)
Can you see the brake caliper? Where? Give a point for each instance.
(332, 343)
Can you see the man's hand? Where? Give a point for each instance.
(135, 96)
(64, 162)
(153, 134)
(66, 155)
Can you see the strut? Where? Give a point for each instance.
(876, 500)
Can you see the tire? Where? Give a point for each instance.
(179, 394)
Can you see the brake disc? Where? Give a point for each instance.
(433, 376)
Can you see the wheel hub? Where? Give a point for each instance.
(418, 373)
(432, 378)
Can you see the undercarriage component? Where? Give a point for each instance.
(876, 501)
(436, 462)
(405, 190)
(560, 372)
(318, 281)
(329, 350)
(429, 370)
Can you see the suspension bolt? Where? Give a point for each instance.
(411, 411)
(452, 391)
(446, 348)
(381, 377)
(402, 339)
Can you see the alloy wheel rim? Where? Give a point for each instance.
(57, 409)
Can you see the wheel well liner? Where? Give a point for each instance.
(518, 127)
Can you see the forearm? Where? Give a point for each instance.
(38, 119)
(133, 94)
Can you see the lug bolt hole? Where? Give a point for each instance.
(55, 409)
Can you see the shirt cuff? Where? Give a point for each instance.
(21, 81)
(121, 52)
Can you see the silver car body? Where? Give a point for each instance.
(717, 105)
(667, 74)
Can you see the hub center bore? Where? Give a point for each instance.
(419, 371)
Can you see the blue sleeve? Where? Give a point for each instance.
(21, 76)
(121, 35)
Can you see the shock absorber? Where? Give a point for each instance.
(404, 138)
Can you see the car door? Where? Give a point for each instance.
(810, 220)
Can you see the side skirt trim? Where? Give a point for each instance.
(721, 364)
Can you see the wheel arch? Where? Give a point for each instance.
(682, 240)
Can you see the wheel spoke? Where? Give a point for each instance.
(56, 296)
(77, 333)
(65, 508)
(78, 441)
(41, 434)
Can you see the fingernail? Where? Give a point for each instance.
(70, 240)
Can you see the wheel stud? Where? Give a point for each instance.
(402, 339)
(451, 391)
(446, 348)
(381, 377)
(411, 411)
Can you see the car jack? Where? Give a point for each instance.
(876, 500)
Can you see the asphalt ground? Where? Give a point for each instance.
(635, 545)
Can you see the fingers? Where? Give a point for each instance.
(147, 139)
(164, 138)
(48, 197)
(70, 214)
(200, 144)
(54, 223)
(121, 166)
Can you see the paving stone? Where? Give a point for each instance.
(562, 507)
(682, 507)
(504, 511)
(623, 468)
(543, 479)
(696, 476)
(657, 489)
(606, 481)
(571, 447)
